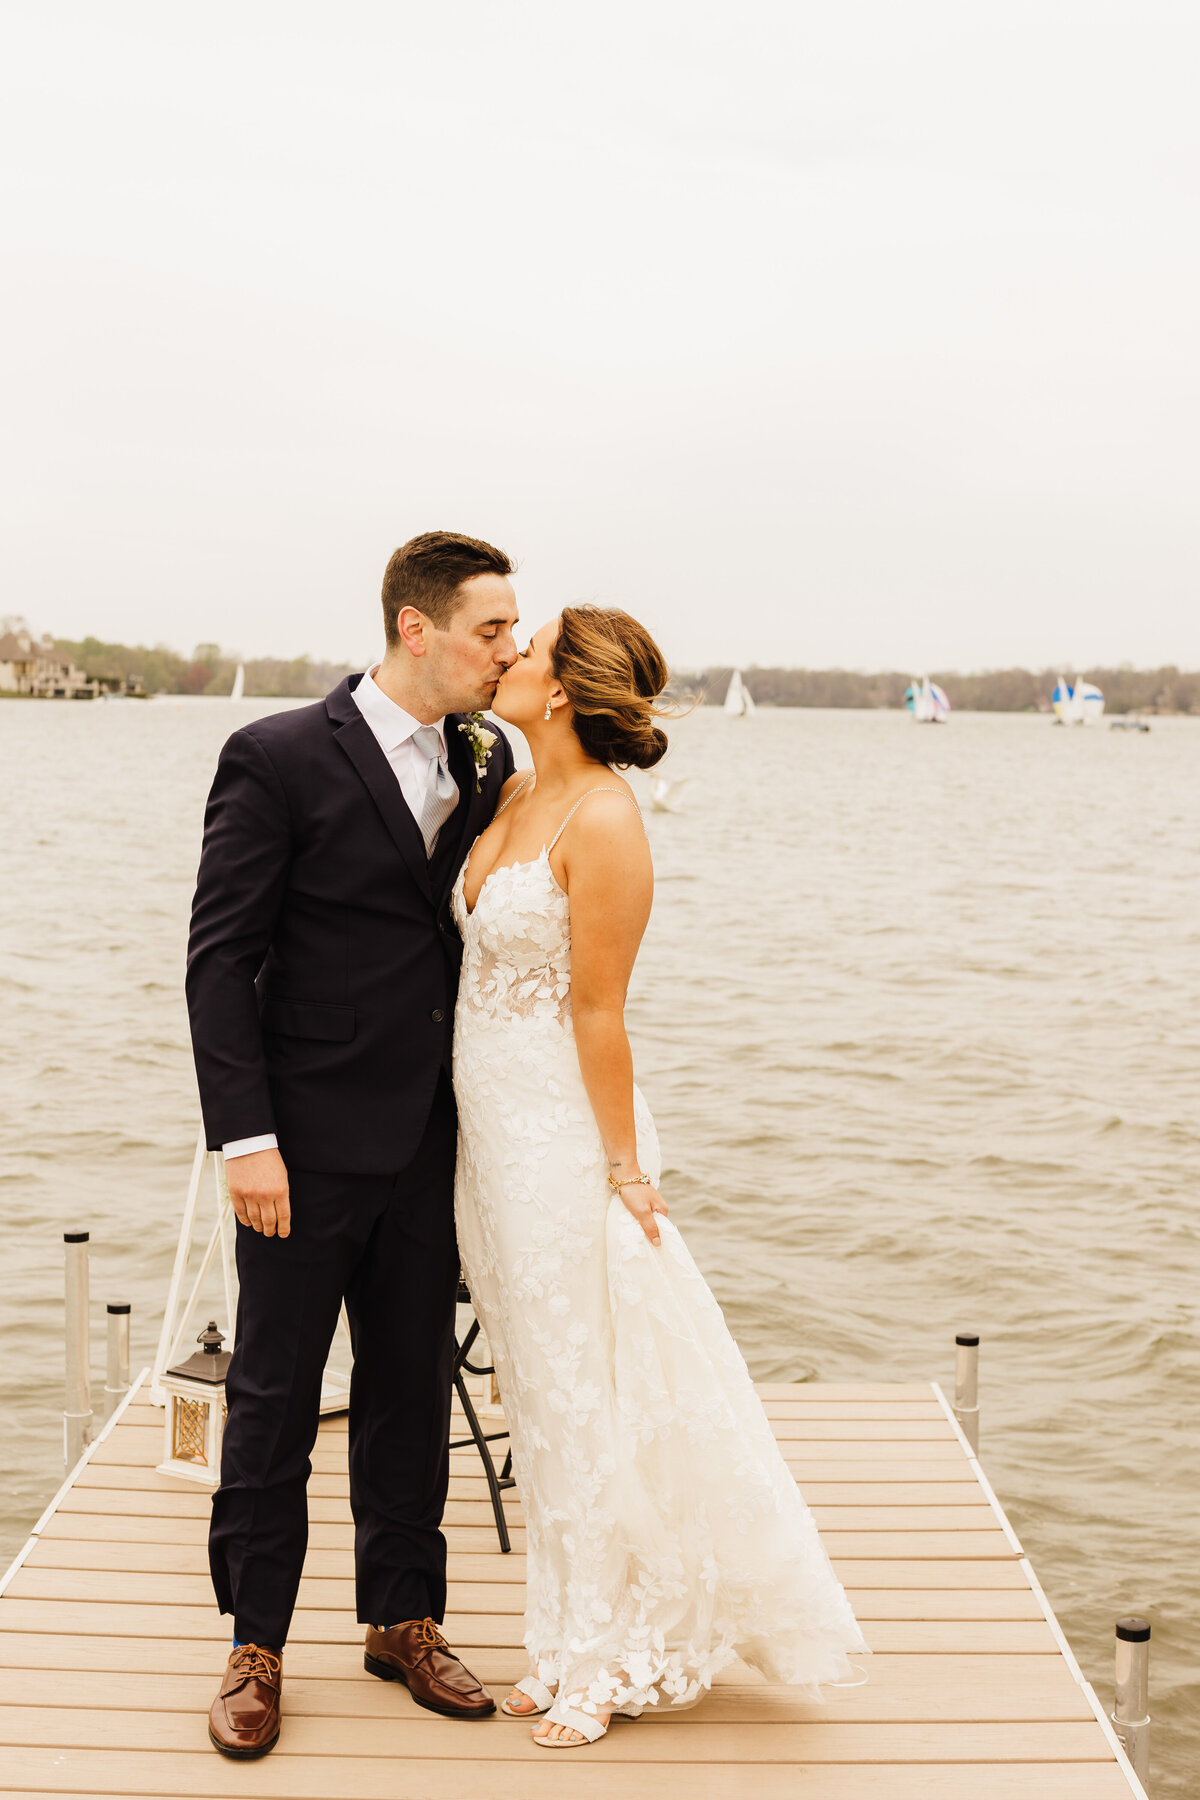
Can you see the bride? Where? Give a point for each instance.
(665, 1535)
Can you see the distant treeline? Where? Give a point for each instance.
(1167, 690)
(209, 670)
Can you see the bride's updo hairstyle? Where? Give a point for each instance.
(612, 672)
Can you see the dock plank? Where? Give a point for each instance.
(858, 1490)
(421, 1735)
(329, 1661)
(329, 1456)
(817, 1462)
(143, 1528)
(140, 1491)
(900, 1688)
(932, 1426)
(323, 1594)
(80, 1619)
(56, 1552)
(188, 1528)
(98, 1774)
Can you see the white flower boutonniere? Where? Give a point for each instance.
(482, 742)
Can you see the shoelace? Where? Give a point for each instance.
(252, 1660)
(431, 1635)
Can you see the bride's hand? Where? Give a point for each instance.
(644, 1201)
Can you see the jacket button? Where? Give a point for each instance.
(437, 1015)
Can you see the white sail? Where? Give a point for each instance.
(739, 701)
(1081, 704)
(1090, 702)
(239, 682)
(924, 710)
(664, 794)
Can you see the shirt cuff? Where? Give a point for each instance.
(247, 1146)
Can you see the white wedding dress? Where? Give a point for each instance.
(665, 1535)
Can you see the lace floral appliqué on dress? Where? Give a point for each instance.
(664, 1534)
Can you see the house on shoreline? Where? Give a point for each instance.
(33, 666)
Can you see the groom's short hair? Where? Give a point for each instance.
(428, 571)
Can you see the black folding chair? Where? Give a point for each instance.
(480, 1438)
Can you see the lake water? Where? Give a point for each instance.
(919, 1017)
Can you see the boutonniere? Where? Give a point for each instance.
(482, 742)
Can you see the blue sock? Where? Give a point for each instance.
(237, 1644)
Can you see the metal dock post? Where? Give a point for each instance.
(77, 1415)
(116, 1383)
(1130, 1714)
(966, 1385)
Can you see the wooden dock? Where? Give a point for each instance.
(111, 1647)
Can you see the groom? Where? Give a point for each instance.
(322, 971)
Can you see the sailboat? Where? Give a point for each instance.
(1082, 704)
(739, 701)
(927, 702)
(664, 793)
(239, 683)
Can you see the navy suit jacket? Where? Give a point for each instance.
(323, 960)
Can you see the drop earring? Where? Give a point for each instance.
(547, 712)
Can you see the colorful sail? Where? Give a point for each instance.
(926, 701)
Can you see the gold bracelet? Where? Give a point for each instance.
(629, 1181)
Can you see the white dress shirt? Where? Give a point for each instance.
(393, 729)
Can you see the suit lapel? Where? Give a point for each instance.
(355, 737)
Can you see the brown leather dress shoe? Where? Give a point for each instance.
(244, 1719)
(417, 1654)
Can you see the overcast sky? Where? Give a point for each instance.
(856, 333)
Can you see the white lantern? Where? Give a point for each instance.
(195, 1421)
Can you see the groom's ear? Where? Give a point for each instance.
(412, 628)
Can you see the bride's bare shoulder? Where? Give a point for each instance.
(614, 782)
(606, 815)
(517, 779)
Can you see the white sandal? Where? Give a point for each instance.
(588, 1727)
(534, 1690)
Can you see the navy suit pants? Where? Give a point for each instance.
(387, 1244)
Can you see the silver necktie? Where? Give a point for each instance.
(441, 793)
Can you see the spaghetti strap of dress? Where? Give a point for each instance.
(624, 793)
(519, 789)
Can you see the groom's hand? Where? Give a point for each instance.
(258, 1189)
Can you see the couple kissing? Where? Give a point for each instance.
(406, 981)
